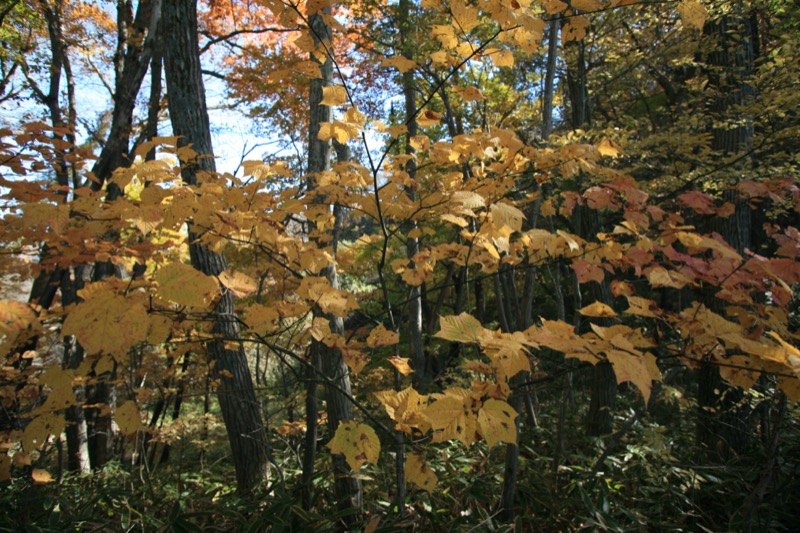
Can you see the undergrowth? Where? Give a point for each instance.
(650, 481)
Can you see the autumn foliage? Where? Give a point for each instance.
(608, 242)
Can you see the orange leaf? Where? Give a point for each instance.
(633, 368)
(41, 476)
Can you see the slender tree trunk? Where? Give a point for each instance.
(549, 78)
(339, 407)
(240, 407)
(421, 377)
(312, 415)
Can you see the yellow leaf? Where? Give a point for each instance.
(451, 417)
(428, 118)
(61, 395)
(22, 459)
(105, 364)
(41, 476)
(401, 364)
(469, 199)
(108, 323)
(453, 219)
(693, 14)
(17, 322)
(396, 131)
(334, 95)
(186, 286)
(640, 306)
(496, 422)
(337, 302)
(400, 63)
(586, 5)
(598, 310)
(478, 366)
(380, 336)
(355, 359)
(661, 277)
(445, 35)
(354, 116)
(417, 274)
(418, 473)
(737, 373)
(128, 418)
(320, 328)
(404, 407)
(262, 319)
(239, 284)
(508, 354)
(461, 328)
(159, 329)
(339, 130)
(507, 215)
(47, 217)
(465, 17)
(470, 93)
(39, 429)
(633, 368)
(420, 142)
(503, 58)
(575, 29)
(609, 148)
(357, 442)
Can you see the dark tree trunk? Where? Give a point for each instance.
(240, 407)
(136, 42)
(724, 425)
(604, 384)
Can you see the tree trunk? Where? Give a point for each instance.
(240, 407)
(421, 376)
(549, 78)
(723, 426)
(135, 49)
(339, 407)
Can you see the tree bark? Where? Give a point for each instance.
(421, 376)
(549, 78)
(724, 425)
(347, 488)
(241, 410)
(135, 50)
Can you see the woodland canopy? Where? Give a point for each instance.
(500, 265)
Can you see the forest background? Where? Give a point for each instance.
(502, 265)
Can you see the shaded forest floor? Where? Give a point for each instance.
(649, 480)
